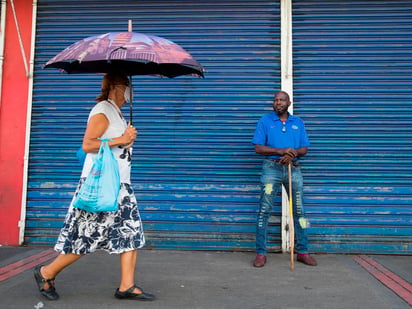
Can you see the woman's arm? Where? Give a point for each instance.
(96, 127)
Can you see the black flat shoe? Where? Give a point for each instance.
(50, 293)
(128, 294)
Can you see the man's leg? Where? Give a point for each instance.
(300, 222)
(267, 197)
(270, 179)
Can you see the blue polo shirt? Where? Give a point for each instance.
(271, 132)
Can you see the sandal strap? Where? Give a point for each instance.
(130, 290)
(44, 280)
(47, 280)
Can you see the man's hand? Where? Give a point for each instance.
(288, 155)
(285, 160)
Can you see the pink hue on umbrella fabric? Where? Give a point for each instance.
(129, 52)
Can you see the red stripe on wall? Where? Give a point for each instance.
(395, 283)
(13, 112)
(18, 267)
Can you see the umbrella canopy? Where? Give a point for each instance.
(127, 52)
(130, 53)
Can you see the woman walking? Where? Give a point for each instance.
(119, 232)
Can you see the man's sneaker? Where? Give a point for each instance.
(260, 260)
(307, 259)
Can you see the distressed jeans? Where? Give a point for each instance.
(273, 176)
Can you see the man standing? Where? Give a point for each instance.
(282, 138)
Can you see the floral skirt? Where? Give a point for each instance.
(119, 231)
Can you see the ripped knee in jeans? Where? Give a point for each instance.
(304, 223)
(268, 188)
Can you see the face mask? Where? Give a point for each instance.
(127, 94)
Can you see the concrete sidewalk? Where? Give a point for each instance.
(209, 279)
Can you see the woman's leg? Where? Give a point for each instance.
(57, 265)
(127, 288)
(127, 269)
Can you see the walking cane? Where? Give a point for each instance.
(291, 226)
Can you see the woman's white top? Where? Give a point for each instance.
(117, 126)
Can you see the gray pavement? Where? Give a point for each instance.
(209, 279)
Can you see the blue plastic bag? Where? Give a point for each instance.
(81, 155)
(101, 188)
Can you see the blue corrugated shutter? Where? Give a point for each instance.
(353, 87)
(194, 171)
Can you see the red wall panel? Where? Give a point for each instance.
(13, 110)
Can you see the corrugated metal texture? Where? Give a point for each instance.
(195, 172)
(352, 86)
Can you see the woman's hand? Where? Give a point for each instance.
(129, 136)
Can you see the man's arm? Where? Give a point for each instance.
(302, 151)
(289, 156)
(269, 151)
(286, 154)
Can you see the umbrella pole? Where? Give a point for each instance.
(131, 101)
(131, 85)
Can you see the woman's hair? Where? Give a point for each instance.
(111, 79)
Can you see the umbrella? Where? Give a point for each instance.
(128, 52)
